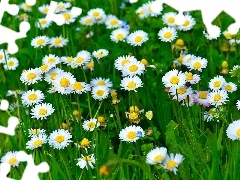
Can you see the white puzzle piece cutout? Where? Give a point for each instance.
(4, 170)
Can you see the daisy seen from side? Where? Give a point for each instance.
(233, 130)
(156, 156)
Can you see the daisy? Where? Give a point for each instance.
(58, 42)
(31, 76)
(87, 21)
(69, 17)
(218, 97)
(229, 87)
(149, 115)
(171, 163)
(91, 124)
(192, 78)
(85, 143)
(197, 63)
(101, 19)
(35, 132)
(42, 111)
(112, 22)
(180, 93)
(46, 67)
(188, 23)
(169, 18)
(133, 68)
(167, 34)
(22, 17)
(36, 141)
(10, 158)
(101, 82)
(89, 65)
(100, 92)
(25, 7)
(217, 83)
(81, 59)
(59, 139)
(208, 115)
(121, 61)
(51, 75)
(32, 97)
(43, 23)
(11, 64)
(174, 78)
(142, 12)
(148, 7)
(85, 161)
(201, 97)
(62, 7)
(100, 53)
(238, 104)
(233, 130)
(63, 82)
(156, 156)
(187, 59)
(131, 83)
(216, 34)
(80, 87)
(40, 41)
(44, 8)
(227, 34)
(131, 133)
(3, 56)
(51, 59)
(188, 101)
(96, 13)
(137, 38)
(67, 60)
(119, 35)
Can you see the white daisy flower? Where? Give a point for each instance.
(142, 12)
(216, 34)
(96, 13)
(217, 83)
(46, 67)
(172, 162)
(137, 38)
(131, 133)
(227, 34)
(86, 161)
(167, 34)
(35, 132)
(131, 83)
(10, 158)
(208, 115)
(51, 75)
(133, 68)
(121, 61)
(36, 141)
(119, 35)
(51, 59)
(174, 78)
(148, 7)
(201, 97)
(180, 93)
(156, 156)
(22, 17)
(91, 124)
(80, 87)
(43, 23)
(87, 20)
(25, 7)
(68, 60)
(58, 42)
(89, 65)
(149, 115)
(100, 92)
(62, 7)
(3, 56)
(229, 87)
(31, 76)
(32, 97)
(100, 53)
(63, 82)
(81, 59)
(187, 59)
(233, 130)
(188, 23)
(42, 111)
(59, 139)
(169, 18)
(69, 17)
(40, 41)
(44, 8)
(192, 78)
(218, 97)
(197, 63)
(112, 22)
(99, 81)
(11, 64)
(238, 104)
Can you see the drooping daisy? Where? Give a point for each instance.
(156, 156)
(233, 130)
(10, 158)
(137, 38)
(35, 132)
(3, 56)
(100, 92)
(188, 23)
(218, 97)
(99, 81)
(133, 68)
(69, 17)
(86, 161)
(169, 18)
(43, 23)
(32, 97)
(11, 64)
(172, 162)
(87, 21)
(167, 34)
(59, 139)
(81, 59)
(197, 63)
(192, 78)
(51, 75)
(25, 7)
(217, 83)
(63, 82)
(112, 22)
(181, 92)
(174, 78)
(91, 124)
(131, 83)
(187, 59)
(58, 42)
(44, 8)
(201, 97)
(119, 35)
(229, 87)
(36, 141)
(31, 76)
(208, 115)
(131, 133)
(62, 7)
(42, 111)
(80, 87)
(51, 59)
(121, 61)
(40, 41)
(100, 53)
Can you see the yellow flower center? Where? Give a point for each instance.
(133, 116)
(181, 90)
(79, 60)
(31, 76)
(100, 92)
(69, 59)
(26, 6)
(228, 87)
(186, 23)
(51, 60)
(133, 109)
(44, 67)
(101, 119)
(141, 12)
(64, 82)
(228, 35)
(167, 35)
(203, 95)
(157, 158)
(125, 61)
(189, 76)
(180, 59)
(42, 22)
(76, 113)
(37, 143)
(85, 143)
(100, 54)
(171, 164)
(90, 65)
(217, 97)
(96, 13)
(174, 80)
(114, 22)
(77, 86)
(23, 16)
(131, 135)
(145, 62)
(1, 57)
(197, 65)
(91, 124)
(53, 76)
(58, 41)
(35, 131)
(59, 138)
(101, 83)
(238, 132)
(131, 85)
(12, 161)
(179, 42)
(86, 158)
(60, 6)
(119, 36)
(40, 41)
(45, 10)
(32, 97)
(67, 16)
(10, 63)
(217, 83)
(133, 68)
(42, 112)
(88, 21)
(138, 39)
(171, 19)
